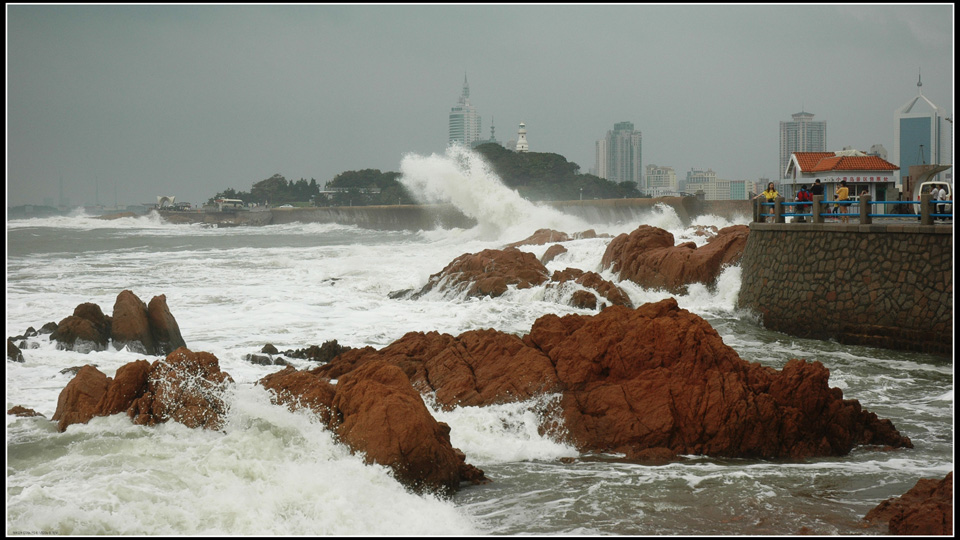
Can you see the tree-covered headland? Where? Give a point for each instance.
(536, 176)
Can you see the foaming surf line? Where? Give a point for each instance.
(462, 178)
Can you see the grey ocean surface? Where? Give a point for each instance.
(272, 471)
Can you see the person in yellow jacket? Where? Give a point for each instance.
(842, 194)
(771, 195)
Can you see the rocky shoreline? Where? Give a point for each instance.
(653, 382)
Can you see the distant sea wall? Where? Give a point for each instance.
(425, 217)
(887, 286)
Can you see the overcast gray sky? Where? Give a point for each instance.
(140, 101)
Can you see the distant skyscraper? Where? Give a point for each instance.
(801, 135)
(522, 145)
(619, 155)
(922, 134)
(464, 120)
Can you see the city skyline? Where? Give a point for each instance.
(140, 101)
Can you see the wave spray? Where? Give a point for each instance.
(461, 177)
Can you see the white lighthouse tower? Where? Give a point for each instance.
(522, 139)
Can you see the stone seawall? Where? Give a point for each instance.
(426, 217)
(888, 286)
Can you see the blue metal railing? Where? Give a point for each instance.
(806, 209)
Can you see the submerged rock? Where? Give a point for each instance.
(18, 410)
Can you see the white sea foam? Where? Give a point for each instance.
(270, 472)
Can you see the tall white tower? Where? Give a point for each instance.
(464, 120)
(522, 145)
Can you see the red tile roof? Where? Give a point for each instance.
(829, 161)
(809, 160)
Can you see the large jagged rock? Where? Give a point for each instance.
(657, 378)
(660, 376)
(186, 387)
(87, 329)
(926, 509)
(648, 257)
(375, 411)
(488, 273)
(163, 327)
(131, 325)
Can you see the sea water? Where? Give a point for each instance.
(271, 471)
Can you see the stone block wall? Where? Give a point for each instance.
(888, 286)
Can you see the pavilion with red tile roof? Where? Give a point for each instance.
(861, 172)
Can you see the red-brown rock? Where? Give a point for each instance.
(542, 236)
(480, 367)
(660, 376)
(87, 325)
(385, 417)
(489, 273)
(186, 387)
(78, 400)
(591, 280)
(648, 257)
(131, 326)
(302, 389)
(375, 410)
(19, 410)
(926, 509)
(129, 383)
(552, 253)
(163, 327)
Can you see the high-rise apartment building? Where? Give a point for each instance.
(923, 135)
(464, 120)
(660, 180)
(801, 135)
(619, 154)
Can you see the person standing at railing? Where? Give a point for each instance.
(803, 195)
(770, 194)
(842, 194)
(816, 189)
(941, 197)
